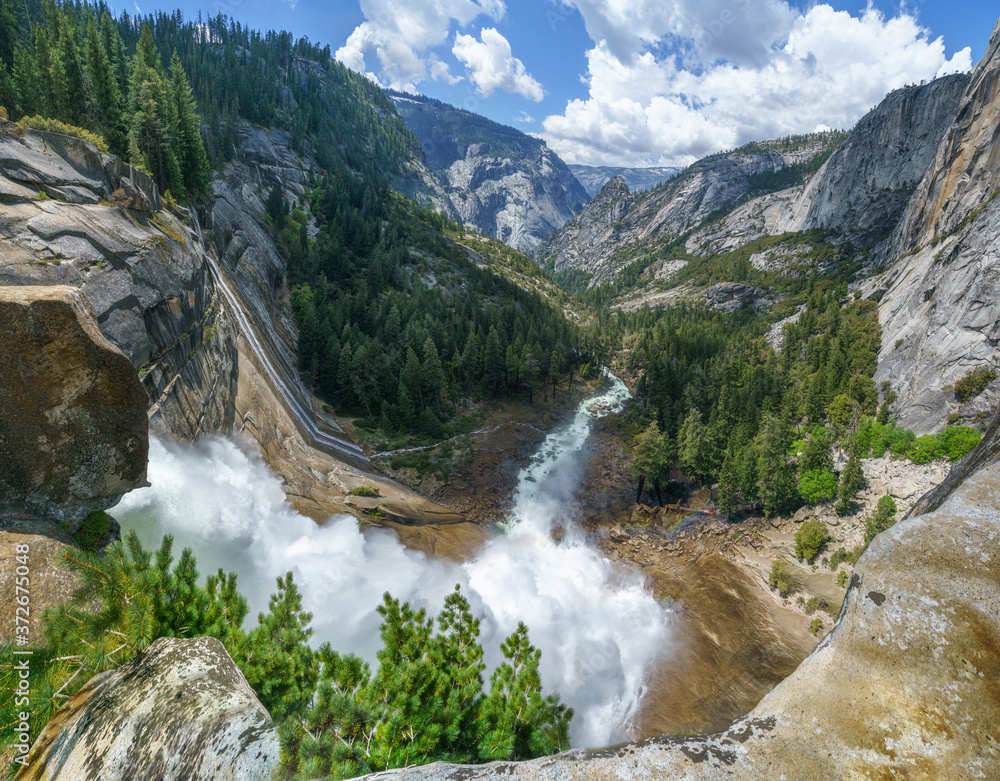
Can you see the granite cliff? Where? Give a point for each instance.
(940, 300)
(495, 179)
(202, 319)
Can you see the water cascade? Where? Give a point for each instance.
(598, 628)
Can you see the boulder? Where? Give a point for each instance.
(905, 686)
(73, 430)
(50, 584)
(182, 710)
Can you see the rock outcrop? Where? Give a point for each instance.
(865, 186)
(144, 274)
(50, 583)
(181, 710)
(73, 429)
(497, 180)
(904, 686)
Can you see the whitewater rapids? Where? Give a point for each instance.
(598, 627)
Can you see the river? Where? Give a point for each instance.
(599, 629)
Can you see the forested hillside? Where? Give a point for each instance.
(126, 79)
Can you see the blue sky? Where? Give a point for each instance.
(640, 82)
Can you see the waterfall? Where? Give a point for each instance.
(597, 626)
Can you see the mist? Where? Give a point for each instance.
(597, 626)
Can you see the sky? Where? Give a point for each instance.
(639, 82)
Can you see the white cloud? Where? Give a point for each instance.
(525, 117)
(400, 34)
(492, 66)
(792, 74)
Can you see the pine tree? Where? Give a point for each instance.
(694, 446)
(516, 721)
(275, 657)
(196, 172)
(104, 88)
(852, 480)
(775, 476)
(493, 361)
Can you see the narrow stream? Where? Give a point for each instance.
(599, 629)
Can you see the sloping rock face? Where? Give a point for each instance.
(73, 430)
(180, 711)
(498, 180)
(50, 583)
(708, 186)
(865, 186)
(71, 170)
(599, 224)
(940, 311)
(906, 685)
(144, 274)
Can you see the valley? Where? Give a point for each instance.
(428, 455)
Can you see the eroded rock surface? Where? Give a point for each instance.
(494, 179)
(73, 430)
(905, 685)
(181, 711)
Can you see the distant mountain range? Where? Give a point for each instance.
(593, 178)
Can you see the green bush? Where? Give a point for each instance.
(95, 531)
(842, 578)
(974, 382)
(363, 490)
(842, 555)
(816, 626)
(818, 486)
(55, 126)
(955, 441)
(780, 578)
(924, 449)
(809, 540)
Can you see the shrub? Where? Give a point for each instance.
(363, 490)
(96, 530)
(120, 199)
(55, 126)
(842, 578)
(816, 626)
(809, 540)
(780, 578)
(816, 603)
(842, 555)
(955, 441)
(924, 449)
(974, 382)
(817, 486)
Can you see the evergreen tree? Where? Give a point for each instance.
(104, 87)
(516, 721)
(852, 480)
(652, 458)
(196, 172)
(775, 476)
(694, 446)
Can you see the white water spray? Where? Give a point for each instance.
(598, 628)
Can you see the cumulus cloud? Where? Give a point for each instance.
(490, 63)
(679, 84)
(525, 117)
(400, 35)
